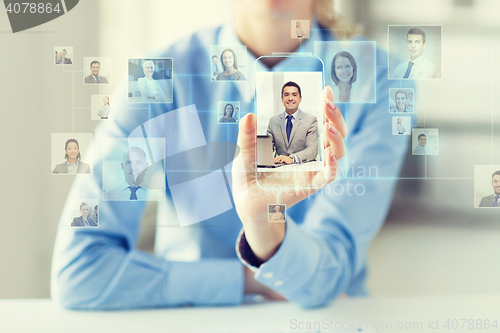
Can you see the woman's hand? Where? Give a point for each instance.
(252, 200)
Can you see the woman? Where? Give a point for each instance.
(230, 67)
(344, 75)
(105, 109)
(401, 102)
(228, 115)
(73, 164)
(401, 129)
(326, 244)
(277, 216)
(62, 59)
(298, 30)
(85, 220)
(150, 89)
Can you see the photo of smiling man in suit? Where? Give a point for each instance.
(294, 132)
(94, 77)
(492, 200)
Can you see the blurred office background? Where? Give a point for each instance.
(434, 241)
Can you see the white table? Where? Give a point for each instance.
(44, 316)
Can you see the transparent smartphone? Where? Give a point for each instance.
(290, 143)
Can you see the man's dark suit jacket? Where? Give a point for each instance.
(91, 79)
(488, 201)
(66, 61)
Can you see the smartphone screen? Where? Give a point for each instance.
(290, 141)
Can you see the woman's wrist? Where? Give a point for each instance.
(264, 238)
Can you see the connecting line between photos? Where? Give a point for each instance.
(425, 166)
(148, 145)
(66, 71)
(492, 113)
(73, 101)
(73, 90)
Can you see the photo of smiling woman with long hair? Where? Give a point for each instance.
(229, 63)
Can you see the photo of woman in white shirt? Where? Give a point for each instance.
(150, 88)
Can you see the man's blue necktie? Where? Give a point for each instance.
(97, 79)
(216, 68)
(133, 194)
(410, 65)
(289, 126)
(495, 202)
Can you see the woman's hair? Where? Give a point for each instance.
(232, 109)
(401, 91)
(64, 50)
(66, 148)
(108, 100)
(349, 56)
(235, 64)
(327, 17)
(297, 24)
(147, 62)
(83, 204)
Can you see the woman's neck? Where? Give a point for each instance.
(71, 160)
(264, 34)
(230, 70)
(344, 86)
